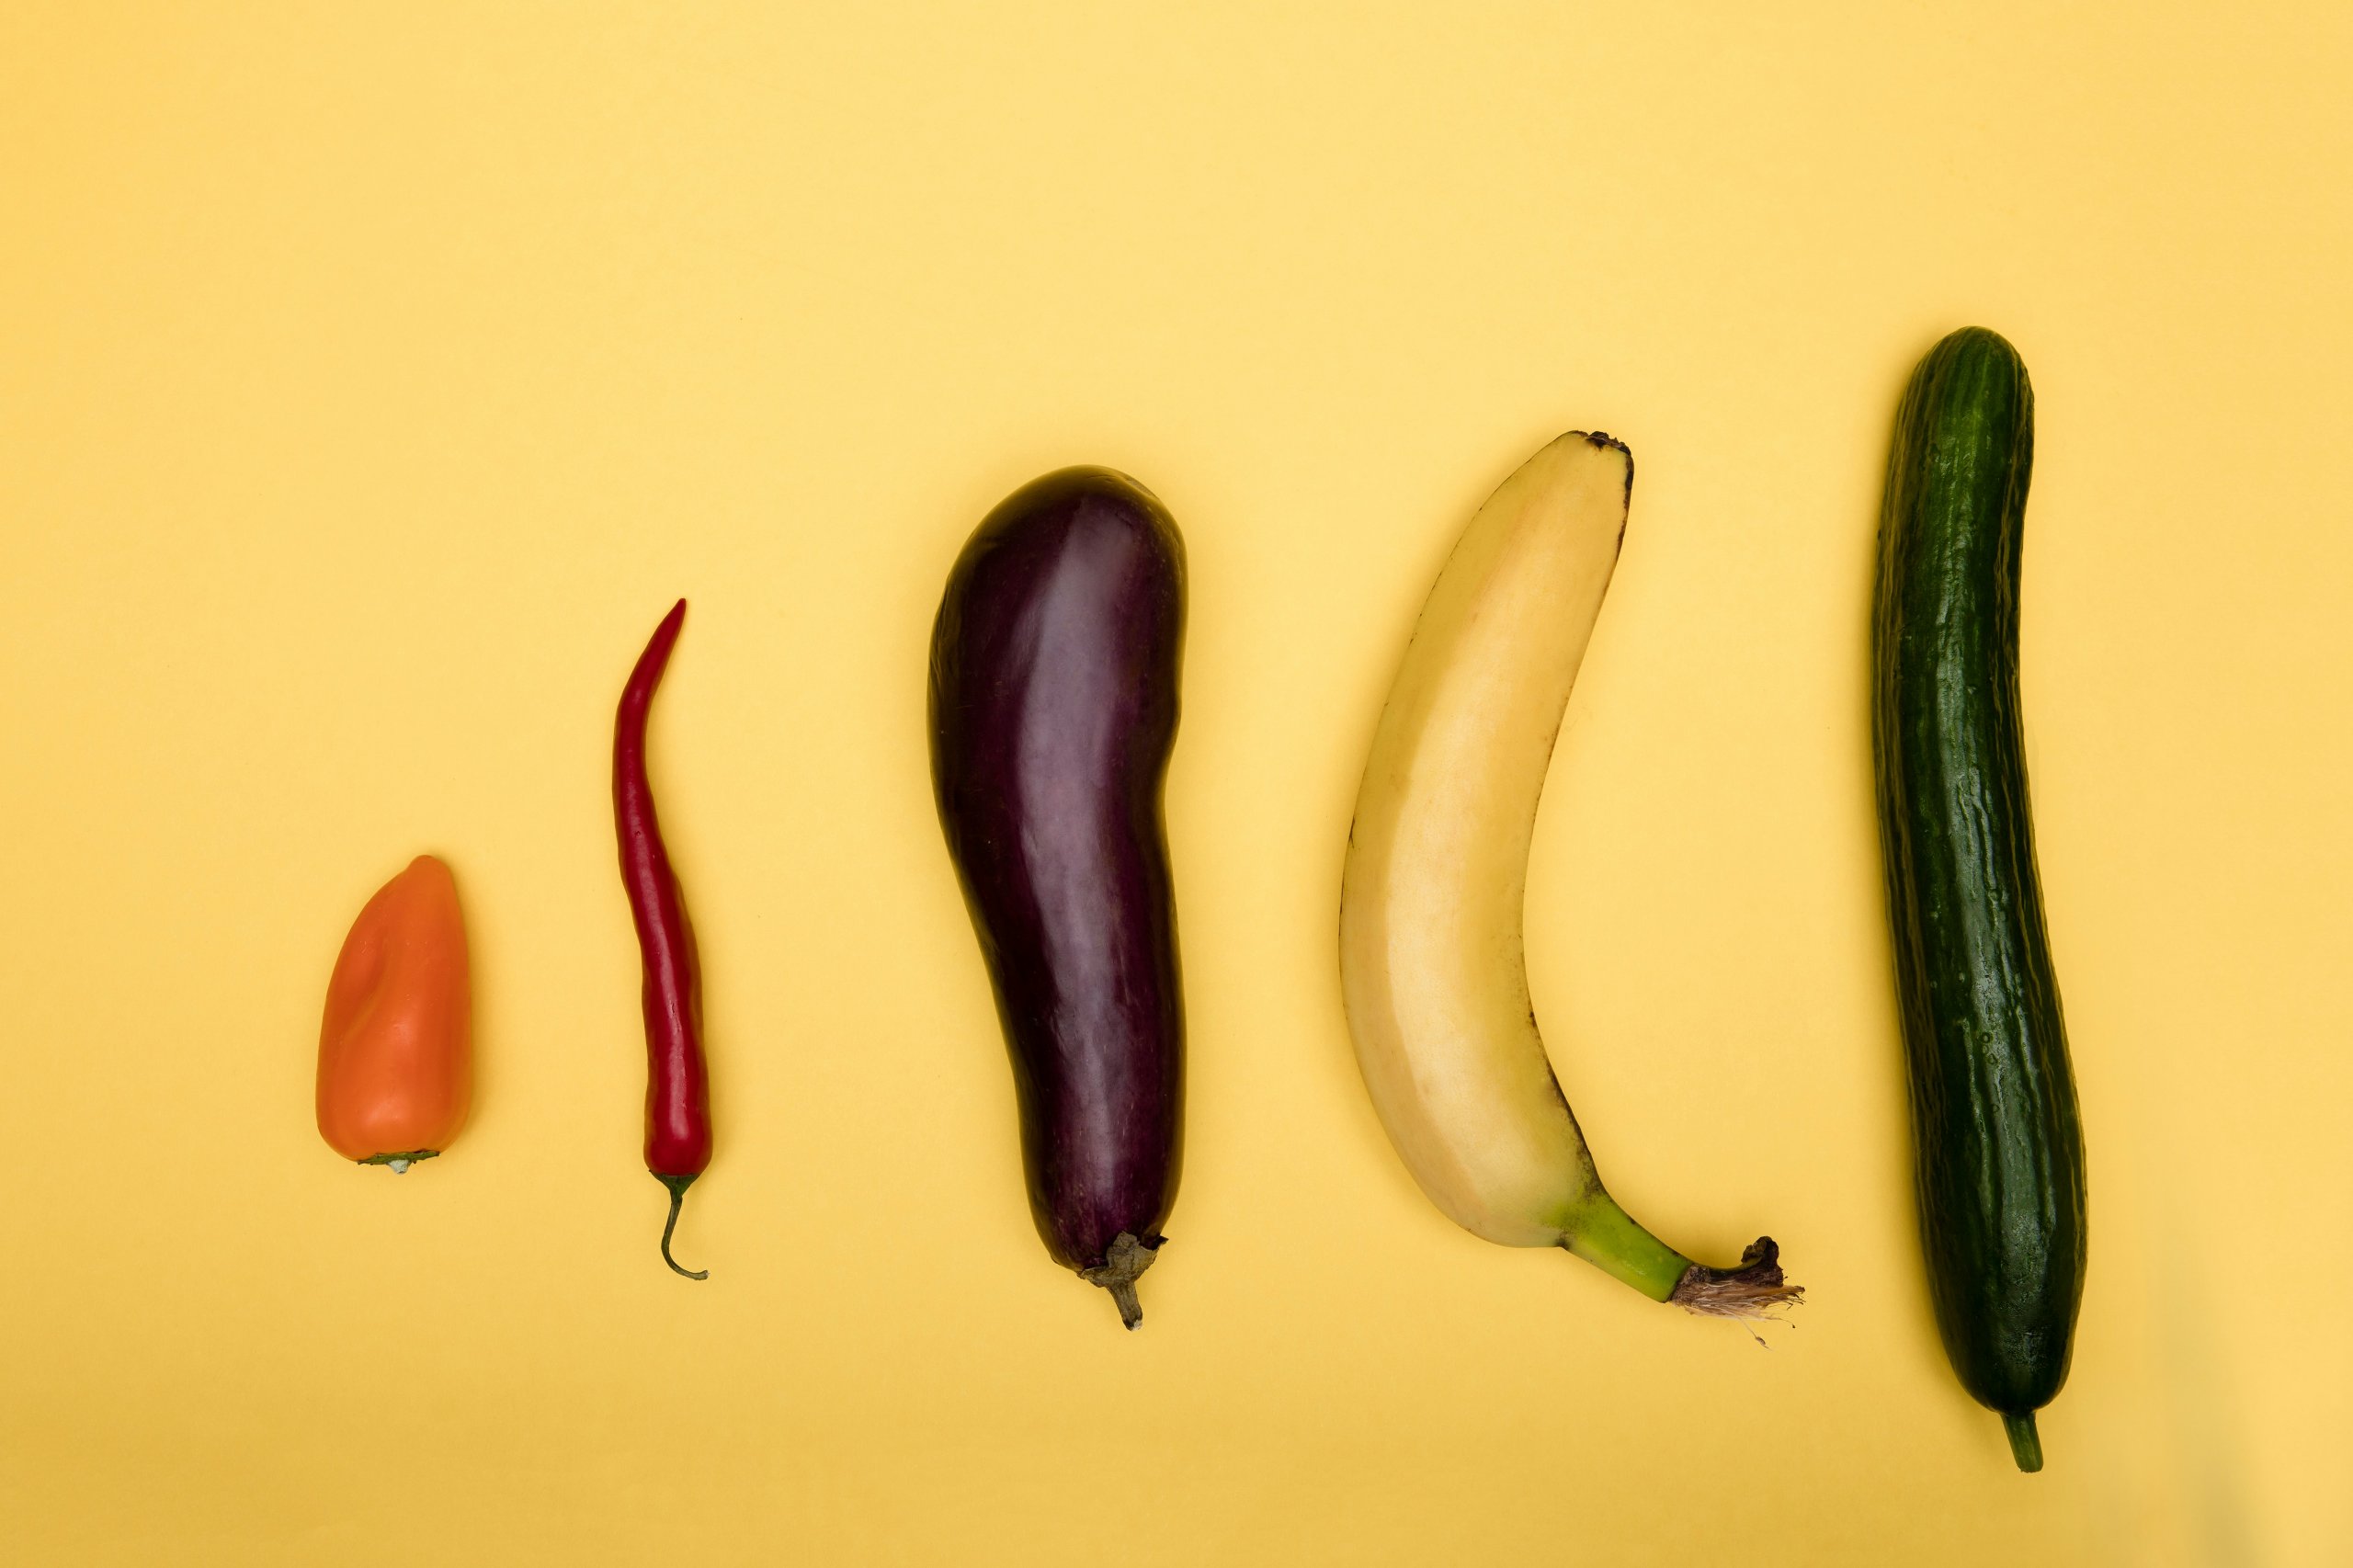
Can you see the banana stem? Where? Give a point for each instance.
(1607, 1236)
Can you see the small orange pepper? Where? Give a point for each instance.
(396, 1052)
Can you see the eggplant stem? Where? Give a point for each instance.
(1124, 1263)
(677, 1185)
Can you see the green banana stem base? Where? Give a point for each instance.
(1607, 1236)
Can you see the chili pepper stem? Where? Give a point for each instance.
(677, 1185)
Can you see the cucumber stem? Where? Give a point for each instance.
(2026, 1443)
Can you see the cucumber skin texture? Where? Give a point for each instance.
(1997, 1135)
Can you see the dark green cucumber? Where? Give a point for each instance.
(1998, 1143)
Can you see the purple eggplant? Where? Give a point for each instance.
(1053, 705)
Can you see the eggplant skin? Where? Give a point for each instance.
(1055, 665)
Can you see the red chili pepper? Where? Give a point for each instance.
(677, 1089)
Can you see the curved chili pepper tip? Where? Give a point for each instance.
(677, 1185)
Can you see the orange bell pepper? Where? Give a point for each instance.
(396, 1051)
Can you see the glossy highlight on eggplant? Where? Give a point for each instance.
(1055, 664)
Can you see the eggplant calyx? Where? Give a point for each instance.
(1124, 1262)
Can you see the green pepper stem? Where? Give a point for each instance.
(677, 1185)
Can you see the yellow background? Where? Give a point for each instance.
(372, 377)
